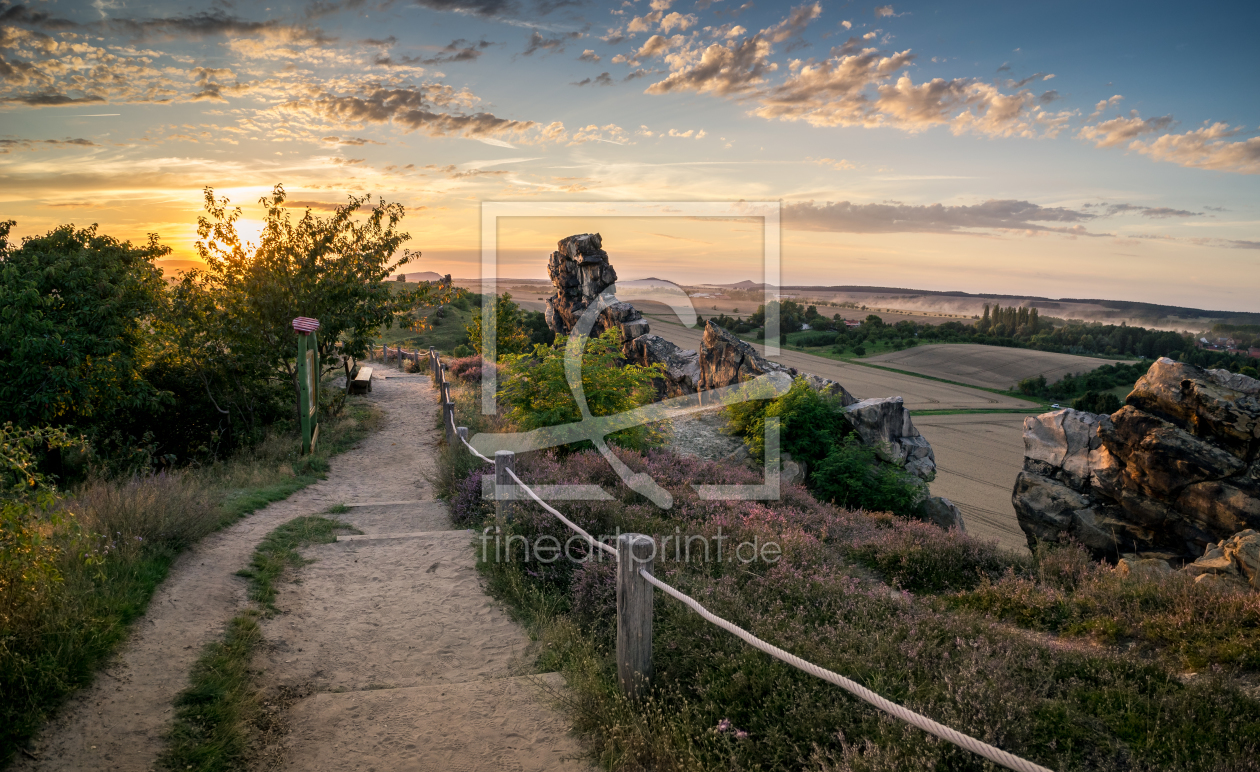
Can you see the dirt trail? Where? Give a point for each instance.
(410, 664)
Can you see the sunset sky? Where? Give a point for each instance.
(1068, 149)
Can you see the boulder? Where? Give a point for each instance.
(1148, 568)
(1235, 560)
(682, 367)
(943, 512)
(1174, 470)
(885, 425)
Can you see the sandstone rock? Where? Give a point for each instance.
(1236, 559)
(1175, 469)
(793, 471)
(726, 360)
(682, 367)
(580, 272)
(1150, 568)
(943, 512)
(885, 425)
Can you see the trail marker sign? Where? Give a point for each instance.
(308, 381)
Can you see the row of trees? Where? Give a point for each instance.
(94, 341)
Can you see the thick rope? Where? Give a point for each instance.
(562, 518)
(473, 450)
(996, 755)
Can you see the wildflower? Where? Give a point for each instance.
(724, 725)
(740, 734)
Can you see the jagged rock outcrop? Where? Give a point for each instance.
(580, 272)
(943, 512)
(1168, 474)
(884, 424)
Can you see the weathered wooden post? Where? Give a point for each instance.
(308, 381)
(504, 486)
(634, 613)
(448, 414)
(433, 365)
(398, 351)
(462, 433)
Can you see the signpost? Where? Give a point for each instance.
(308, 381)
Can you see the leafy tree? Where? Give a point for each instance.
(75, 309)
(535, 323)
(536, 392)
(852, 476)
(511, 333)
(1097, 402)
(331, 268)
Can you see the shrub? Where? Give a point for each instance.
(1097, 402)
(463, 350)
(536, 393)
(853, 476)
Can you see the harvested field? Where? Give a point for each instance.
(977, 459)
(867, 382)
(991, 367)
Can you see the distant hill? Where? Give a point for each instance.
(417, 277)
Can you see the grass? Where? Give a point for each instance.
(214, 716)
(118, 548)
(902, 607)
(445, 334)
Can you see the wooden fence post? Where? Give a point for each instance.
(504, 487)
(462, 433)
(448, 416)
(634, 614)
(433, 365)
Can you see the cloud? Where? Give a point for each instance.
(1205, 148)
(425, 109)
(458, 50)
(721, 68)
(1160, 212)
(551, 45)
(8, 145)
(47, 99)
(855, 90)
(474, 7)
(896, 217)
(644, 23)
(841, 165)
(1104, 105)
(655, 45)
(1120, 130)
(351, 141)
(677, 20)
(883, 11)
(603, 79)
(794, 23)
(589, 56)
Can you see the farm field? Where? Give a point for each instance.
(990, 367)
(977, 459)
(867, 382)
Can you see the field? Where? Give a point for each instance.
(990, 367)
(867, 382)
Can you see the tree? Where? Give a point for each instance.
(75, 308)
(511, 334)
(331, 268)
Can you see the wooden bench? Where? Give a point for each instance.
(362, 382)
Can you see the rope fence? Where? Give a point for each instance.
(634, 603)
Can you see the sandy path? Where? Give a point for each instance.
(118, 723)
(407, 664)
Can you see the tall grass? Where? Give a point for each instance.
(109, 545)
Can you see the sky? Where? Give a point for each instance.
(1067, 149)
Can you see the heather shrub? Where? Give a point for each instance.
(594, 595)
(466, 369)
(920, 557)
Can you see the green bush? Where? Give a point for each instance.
(536, 392)
(1097, 402)
(463, 350)
(852, 476)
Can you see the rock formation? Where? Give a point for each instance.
(1170, 473)
(580, 272)
(1235, 560)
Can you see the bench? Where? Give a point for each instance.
(362, 381)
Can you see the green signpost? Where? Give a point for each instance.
(308, 381)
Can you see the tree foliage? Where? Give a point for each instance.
(511, 334)
(76, 308)
(536, 392)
